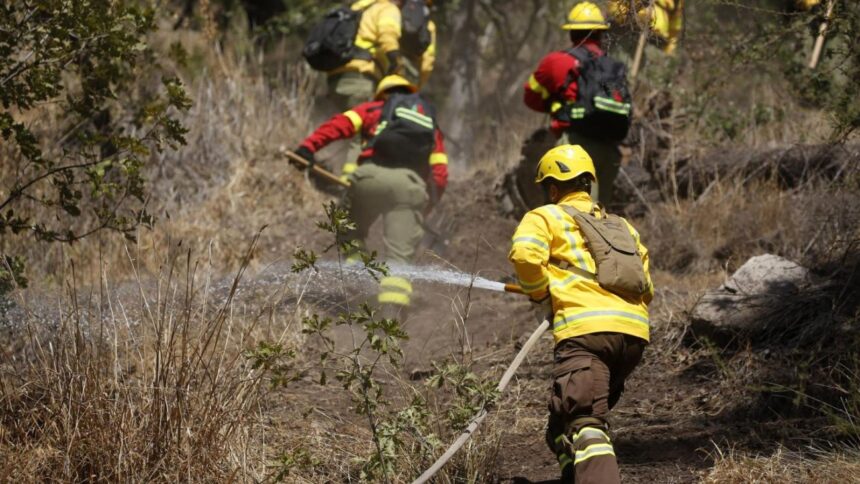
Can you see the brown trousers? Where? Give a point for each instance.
(588, 379)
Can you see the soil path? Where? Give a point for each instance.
(667, 426)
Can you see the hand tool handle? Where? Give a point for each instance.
(322, 172)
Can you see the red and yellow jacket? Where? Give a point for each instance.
(543, 90)
(364, 119)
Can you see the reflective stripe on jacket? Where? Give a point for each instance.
(548, 238)
(364, 119)
(378, 33)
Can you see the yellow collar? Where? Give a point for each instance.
(577, 198)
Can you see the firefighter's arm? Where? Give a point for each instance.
(387, 27)
(540, 86)
(676, 27)
(530, 255)
(428, 59)
(643, 253)
(340, 126)
(439, 167)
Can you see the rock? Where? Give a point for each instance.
(767, 274)
(743, 302)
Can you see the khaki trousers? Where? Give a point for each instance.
(588, 379)
(347, 90)
(399, 196)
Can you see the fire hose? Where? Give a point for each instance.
(482, 414)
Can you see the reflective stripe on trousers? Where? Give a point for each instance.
(395, 290)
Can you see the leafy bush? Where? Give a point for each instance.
(78, 118)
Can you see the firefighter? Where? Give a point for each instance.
(599, 334)
(665, 19)
(400, 188)
(377, 53)
(806, 4)
(555, 83)
(418, 42)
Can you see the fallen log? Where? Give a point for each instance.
(790, 167)
(639, 185)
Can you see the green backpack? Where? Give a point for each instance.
(619, 264)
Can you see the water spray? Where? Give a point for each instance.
(462, 279)
(424, 273)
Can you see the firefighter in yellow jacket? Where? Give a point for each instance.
(418, 58)
(665, 18)
(377, 47)
(599, 334)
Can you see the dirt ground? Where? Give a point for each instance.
(671, 422)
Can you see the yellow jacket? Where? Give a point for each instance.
(807, 4)
(378, 33)
(420, 66)
(580, 305)
(428, 59)
(666, 19)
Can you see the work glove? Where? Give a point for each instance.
(394, 63)
(543, 306)
(306, 154)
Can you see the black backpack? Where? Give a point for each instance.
(415, 34)
(406, 134)
(331, 43)
(603, 107)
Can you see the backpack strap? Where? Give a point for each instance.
(598, 207)
(564, 265)
(581, 54)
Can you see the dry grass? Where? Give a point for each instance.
(226, 183)
(143, 381)
(784, 466)
(722, 230)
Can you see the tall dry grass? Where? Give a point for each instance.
(784, 466)
(138, 381)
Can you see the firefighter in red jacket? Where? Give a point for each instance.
(401, 195)
(545, 92)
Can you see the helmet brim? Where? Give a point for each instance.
(585, 26)
(412, 88)
(566, 177)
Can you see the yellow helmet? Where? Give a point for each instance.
(392, 81)
(585, 16)
(565, 162)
